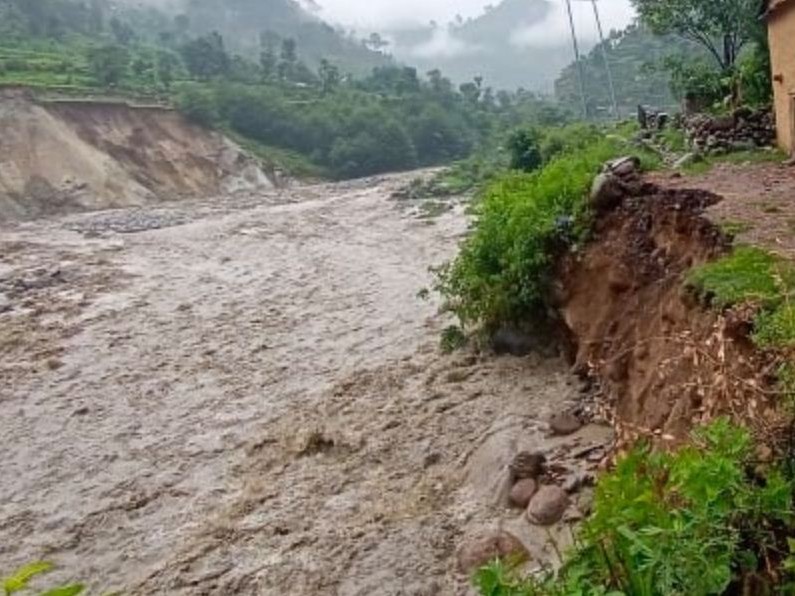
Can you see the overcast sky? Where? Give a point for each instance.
(381, 14)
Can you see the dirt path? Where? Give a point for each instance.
(757, 203)
(250, 400)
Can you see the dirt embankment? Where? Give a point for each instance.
(664, 360)
(64, 157)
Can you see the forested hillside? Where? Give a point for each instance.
(636, 58)
(328, 121)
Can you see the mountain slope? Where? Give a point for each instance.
(490, 46)
(246, 23)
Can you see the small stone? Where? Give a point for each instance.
(576, 481)
(431, 459)
(564, 424)
(477, 552)
(528, 465)
(522, 492)
(624, 166)
(548, 506)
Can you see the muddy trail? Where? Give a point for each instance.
(246, 396)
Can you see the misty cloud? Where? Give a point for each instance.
(615, 14)
(380, 14)
(388, 14)
(443, 45)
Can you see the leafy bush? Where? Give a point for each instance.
(691, 522)
(198, 105)
(697, 80)
(523, 221)
(525, 150)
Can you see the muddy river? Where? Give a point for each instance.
(246, 396)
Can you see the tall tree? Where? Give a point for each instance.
(205, 57)
(109, 63)
(723, 27)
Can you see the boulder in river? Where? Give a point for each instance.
(522, 492)
(482, 550)
(548, 506)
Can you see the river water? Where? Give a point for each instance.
(246, 396)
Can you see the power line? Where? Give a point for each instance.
(609, 70)
(580, 75)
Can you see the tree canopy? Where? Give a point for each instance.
(723, 27)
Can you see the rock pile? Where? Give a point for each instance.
(619, 178)
(743, 130)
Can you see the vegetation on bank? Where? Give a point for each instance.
(524, 220)
(701, 520)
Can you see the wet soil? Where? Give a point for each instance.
(246, 396)
(666, 360)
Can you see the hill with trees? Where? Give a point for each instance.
(328, 121)
(487, 47)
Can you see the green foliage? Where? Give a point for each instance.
(524, 145)
(20, 580)
(453, 338)
(635, 54)
(504, 269)
(205, 57)
(776, 328)
(198, 104)
(697, 80)
(748, 274)
(753, 275)
(108, 64)
(688, 522)
(721, 27)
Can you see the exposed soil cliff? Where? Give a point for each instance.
(61, 157)
(663, 359)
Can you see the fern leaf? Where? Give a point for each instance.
(20, 579)
(72, 590)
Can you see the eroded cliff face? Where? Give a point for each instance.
(664, 360)
(67, 156)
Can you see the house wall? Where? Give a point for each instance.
(781, 27)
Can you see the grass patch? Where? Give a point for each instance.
(756, 156)
(695, 521)
(523, 222)
(673, 139)
(748, 274)
(753, 275)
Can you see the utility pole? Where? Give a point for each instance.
(609, 70)
(580, 76)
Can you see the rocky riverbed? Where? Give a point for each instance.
(246, 396)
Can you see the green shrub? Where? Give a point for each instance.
(198, 105)
(523, 221)
(689, 522)
(525, 150)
